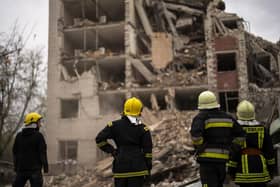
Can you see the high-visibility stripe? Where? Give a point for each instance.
(216, 150)
(264, 174)
(252, 177)
(243, 163)
(110, 124)
(253, 129)
(214, 155)
(218, 124)
(271, 161)
(101, 144)
(259, 130)
(245, 144)
(218, 120)
(261, 138)
(231, 164)
(250, 180)
(148, 155)
(246, 164)
(205, 185)
(263, 163)
(131, 174)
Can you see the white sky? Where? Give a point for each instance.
(29, 14)
(263, 16)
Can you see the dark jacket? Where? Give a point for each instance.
(255, 160)
(213, 132)
(133, 156)
(30, 151)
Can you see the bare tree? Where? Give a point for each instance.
(20, 88)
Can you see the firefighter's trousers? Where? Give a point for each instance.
(129, 182)
(212, 174)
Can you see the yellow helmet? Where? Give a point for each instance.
(245, 111)
(207, 100)
(132, 107)
(32, 117)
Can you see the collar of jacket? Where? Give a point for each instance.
(249, 123)
(134, 120)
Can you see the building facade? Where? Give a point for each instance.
(102, 52)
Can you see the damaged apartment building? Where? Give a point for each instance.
(164, 52)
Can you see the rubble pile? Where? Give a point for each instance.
(183, 78)
(173, 161)
(186, 69)
(183, 21)
(172, 158)
(265, 101)
(83, 178)
(263, 59)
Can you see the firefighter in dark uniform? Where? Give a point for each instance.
(30, 153)
(133, 154)
(253, 164)
(213, 132)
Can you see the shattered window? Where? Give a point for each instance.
(228, 101)
(69, 108)
(68, 150)
(226, 62)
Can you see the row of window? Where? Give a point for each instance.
(69, 108)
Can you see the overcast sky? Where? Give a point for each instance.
(263, 16)
(32, 14)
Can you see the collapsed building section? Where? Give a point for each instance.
(164, 52)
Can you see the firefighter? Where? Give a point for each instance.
(30, 153)
(133, 153)
(253, 164)
(213, 132)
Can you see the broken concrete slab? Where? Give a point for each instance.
(145, 72)
(162, 50)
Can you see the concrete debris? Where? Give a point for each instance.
(143, 17)
(264, 63)
(162, 50)
(7, 173)
(143, 70)
(177, 75)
